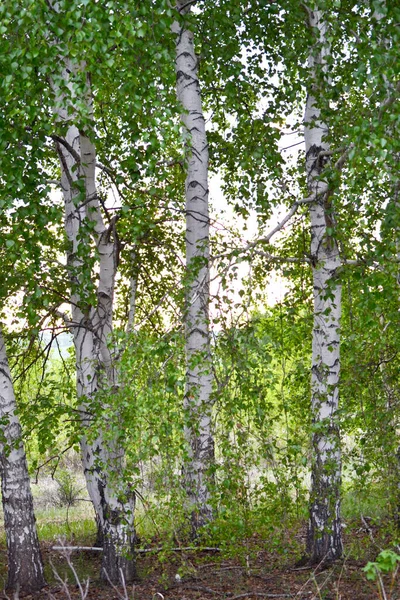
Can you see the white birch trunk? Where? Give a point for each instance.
(25, 567)
(198, 394)
(324, 533)
(92, 325)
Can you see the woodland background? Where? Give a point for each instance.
(141, 331)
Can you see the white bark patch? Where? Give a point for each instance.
(324, 538)
(198, 396)
(103, 462)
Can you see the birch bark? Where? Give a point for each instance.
(198, 394)
(25, 567)
(324, 541)
(103, 461)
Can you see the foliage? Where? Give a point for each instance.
(254, 79)
(387, 562)
(68, 490)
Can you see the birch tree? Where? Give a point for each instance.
(91, 324)
(25, 567)
(63, 115)
(324, 541)
(198, 394)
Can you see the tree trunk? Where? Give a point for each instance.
(91, 324)
(198, 394)
(25, 567)
(324, 533)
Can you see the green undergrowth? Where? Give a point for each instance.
(164, 524)
(240, 532)
(371, 502)
(76, 523)
(52, 524)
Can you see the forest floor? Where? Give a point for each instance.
(260, 566)
(208, 575)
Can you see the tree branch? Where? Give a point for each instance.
(104, 168)
(261, 595)
(266, 239)
(75, 155)
(283, 259)
(186, 5)
(390, 100)
(54, 182)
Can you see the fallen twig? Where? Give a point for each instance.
(179, 549)
(139, 550)
(261, 595)
(369, 531)
(76, 548)
(228, 569)
(116, 590)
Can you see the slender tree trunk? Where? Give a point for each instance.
(25, 567)
(91, 323)
(324, 533)
(198, 395)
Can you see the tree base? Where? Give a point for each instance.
(117, 569)
(316, 563)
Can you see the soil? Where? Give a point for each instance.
(227, 579)
(211, 575)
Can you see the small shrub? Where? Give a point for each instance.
(68, 490)
(387, 562)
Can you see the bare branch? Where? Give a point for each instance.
(261, 595)
(323, 189)
(342, 149)
(104, 168)
(267, 238)
(54, 182)
(63, 583)
(75, 155)
(181, 8)
(55, 457)
(66, 319)
(116, 590)
(283, 259)
(342, 159)
(390, 100)
(292, 146)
